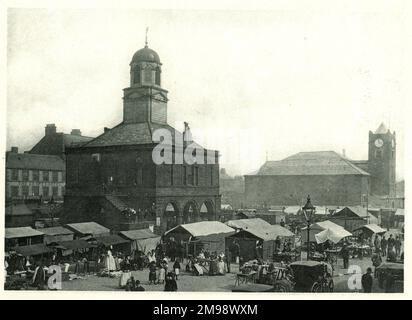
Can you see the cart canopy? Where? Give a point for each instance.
(373, 228)
(335, 235)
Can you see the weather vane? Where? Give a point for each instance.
(147, 30)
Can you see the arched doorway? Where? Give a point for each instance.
(170, 215)
(190, 212)
(207, 212)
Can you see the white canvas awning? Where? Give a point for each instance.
(335, 235)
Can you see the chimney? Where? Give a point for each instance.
(14, 150)
(106, 129)
(50, 129)
(76, 132)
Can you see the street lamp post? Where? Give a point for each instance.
(308, 211)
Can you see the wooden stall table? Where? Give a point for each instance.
(245, 278)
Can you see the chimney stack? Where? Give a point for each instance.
(106, 129)
(14, 150)
(50, 129)
(76, 132)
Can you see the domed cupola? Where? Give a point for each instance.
(145, 67)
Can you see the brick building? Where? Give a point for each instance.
(33, 176)
(113, 179)
(330, 178)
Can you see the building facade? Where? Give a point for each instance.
(34, 177)
(114, 180)
(330, 178)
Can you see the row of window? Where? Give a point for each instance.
(35, 191)
(35, 175)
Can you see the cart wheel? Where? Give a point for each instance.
(283, 286)
(316, 287)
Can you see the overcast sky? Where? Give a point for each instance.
(251, 84)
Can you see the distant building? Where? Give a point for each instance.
(34, 177)
(55, 143)
(41, 172)
(330, 178)
(232, 189)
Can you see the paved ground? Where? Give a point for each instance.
(188, 282)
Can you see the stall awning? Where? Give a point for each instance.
(111, 240)
(138, 234)
(374, 228)
(86, 228)
(21, 232)
(335, 235)
(33, 250)
(203, 228)
(75, 244)
(55, 231)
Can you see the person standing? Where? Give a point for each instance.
(384, 244)
(228, 258)
(39, 277)
(391, 243)
(345, 256)
(176, 268)
(152, 272)
(376, 261)
(377, 243)
(367, 281)
(398, 245)
(170, 282)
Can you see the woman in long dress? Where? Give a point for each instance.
(110, 263)
(220, 266)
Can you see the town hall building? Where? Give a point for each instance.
(113, 179)
(330, 178)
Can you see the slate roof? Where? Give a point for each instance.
(138, 234)
(92, 228)
(74, 139)
(54, 231)
(131, 134)
(311, 163)
(203, 228)
(34, 161)
(21, 232)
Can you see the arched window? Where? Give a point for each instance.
(157, 76)
(136, 75)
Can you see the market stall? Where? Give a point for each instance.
(142, 240)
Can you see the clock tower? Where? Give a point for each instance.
(145, 100)
(382, 161)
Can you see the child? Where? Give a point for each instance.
(176, 268)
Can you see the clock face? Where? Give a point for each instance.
(379, 143)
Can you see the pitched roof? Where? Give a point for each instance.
(88, 228)
(54, 231)
(323, 225)
(246, 224)
(353, 210)
(203, 228)
(132, 134)
(311, 163)
(34, 161)
(270, 232)
(372, 227)
(111, 240)
(21, 232)
(75, 244)
(74, 139)
(382, 129)
(138, 234)
(33, 250)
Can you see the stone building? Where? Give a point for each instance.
(330, 178)
(113, 178)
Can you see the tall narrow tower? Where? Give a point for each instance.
(382, 161)
(145, 100)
